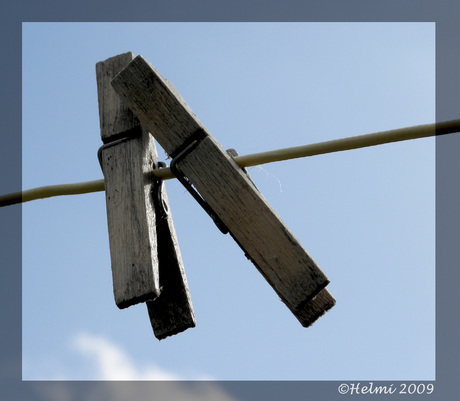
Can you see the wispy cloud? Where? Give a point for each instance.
(90, 357)
(127, 380)
(113, 363)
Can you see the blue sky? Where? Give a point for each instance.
(366, 216)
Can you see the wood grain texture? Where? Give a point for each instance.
(172, 312)
(146, 260)
(311, 311)
(266, 240)
(131, 220)
(115, 117)
(130, 210)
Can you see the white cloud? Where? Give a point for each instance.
(91, 357)
(113, 363)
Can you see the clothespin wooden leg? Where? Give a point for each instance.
(226, 189)
(126, 158)
(312, 310)
(171, 312)
(145, 256)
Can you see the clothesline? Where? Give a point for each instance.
(336, 145)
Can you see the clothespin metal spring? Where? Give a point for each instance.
(125, 137)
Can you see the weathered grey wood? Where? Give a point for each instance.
(115, 118)
(224, 185)
(309, 312)
(130, 212)
(146, 260)
(172, 312)
(260, 232)
(131, 221)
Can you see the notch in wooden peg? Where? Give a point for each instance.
(226, 188)
(145, 256)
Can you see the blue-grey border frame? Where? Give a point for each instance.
(443, 12)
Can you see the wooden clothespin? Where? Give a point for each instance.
(225, 190)
(146, 261)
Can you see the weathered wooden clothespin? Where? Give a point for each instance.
(146, 261)
(225, 190)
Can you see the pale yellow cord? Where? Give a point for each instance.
(337, 145)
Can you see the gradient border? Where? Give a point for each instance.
(443, 12)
